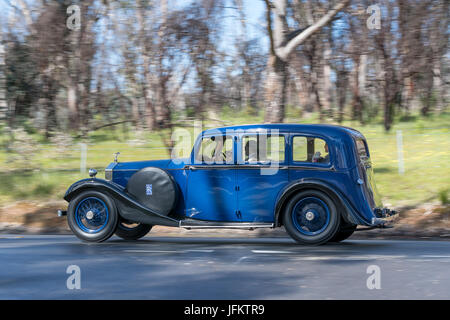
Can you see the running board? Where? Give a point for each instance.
(199, 224)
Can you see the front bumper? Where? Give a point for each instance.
(62, 213)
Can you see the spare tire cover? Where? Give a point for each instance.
(154, 188)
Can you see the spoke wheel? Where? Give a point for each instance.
(310, 217)
(92, 216)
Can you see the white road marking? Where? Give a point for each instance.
(170, 251)
(367, 257)
(270, 251)
(151, 251)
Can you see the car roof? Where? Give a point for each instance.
(322, 129)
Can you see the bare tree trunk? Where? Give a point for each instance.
(326, 84)
(72, 103)
(275, 97)
(282, 44)
(389, 79)
(242, 43)
(341, 88)
(48, 101)
(163, 112)
(438, 91)
(357, 112)
(315, 62)
(3, 103)
(150, 113)
(275, 90)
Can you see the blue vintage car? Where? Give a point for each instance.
(315, 180)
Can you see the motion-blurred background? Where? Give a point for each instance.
(81, 80)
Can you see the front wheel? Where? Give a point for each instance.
(311, 217)
(92, 216)
(130, 231)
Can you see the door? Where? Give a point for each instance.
(262, 173)
(211, 182)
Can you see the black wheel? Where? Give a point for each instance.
(311, 217)
(345, 232)
(132, 231)
(92, 216)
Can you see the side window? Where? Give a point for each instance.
(306, 149)
(262, 148)
(215, 150)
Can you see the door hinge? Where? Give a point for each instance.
(237, 188)
(238, 214)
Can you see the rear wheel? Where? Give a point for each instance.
(311, 218)
(132, 231)
(345, 232)
(92, 216)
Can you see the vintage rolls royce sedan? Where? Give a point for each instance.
(315, 180)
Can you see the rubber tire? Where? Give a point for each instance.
(318, 239)
(133, 233)
(344, 232)
(111, 225)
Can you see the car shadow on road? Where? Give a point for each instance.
(285, 242)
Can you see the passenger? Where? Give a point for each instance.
(318, 157)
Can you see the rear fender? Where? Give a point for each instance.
(347, 211)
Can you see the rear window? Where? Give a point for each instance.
(308, 149)
(362, 149)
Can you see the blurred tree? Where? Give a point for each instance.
(282, 43)
(3, 104)
(151, 63)
(387, 56)
(21, 81)
(79, 51)
(199, 28)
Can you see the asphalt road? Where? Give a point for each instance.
(34, 267)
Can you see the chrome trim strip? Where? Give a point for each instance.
(237, 225)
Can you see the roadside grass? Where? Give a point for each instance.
(426, 143)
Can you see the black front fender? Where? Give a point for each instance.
(349, 214)
(129, 208)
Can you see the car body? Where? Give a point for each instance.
(250, 176)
